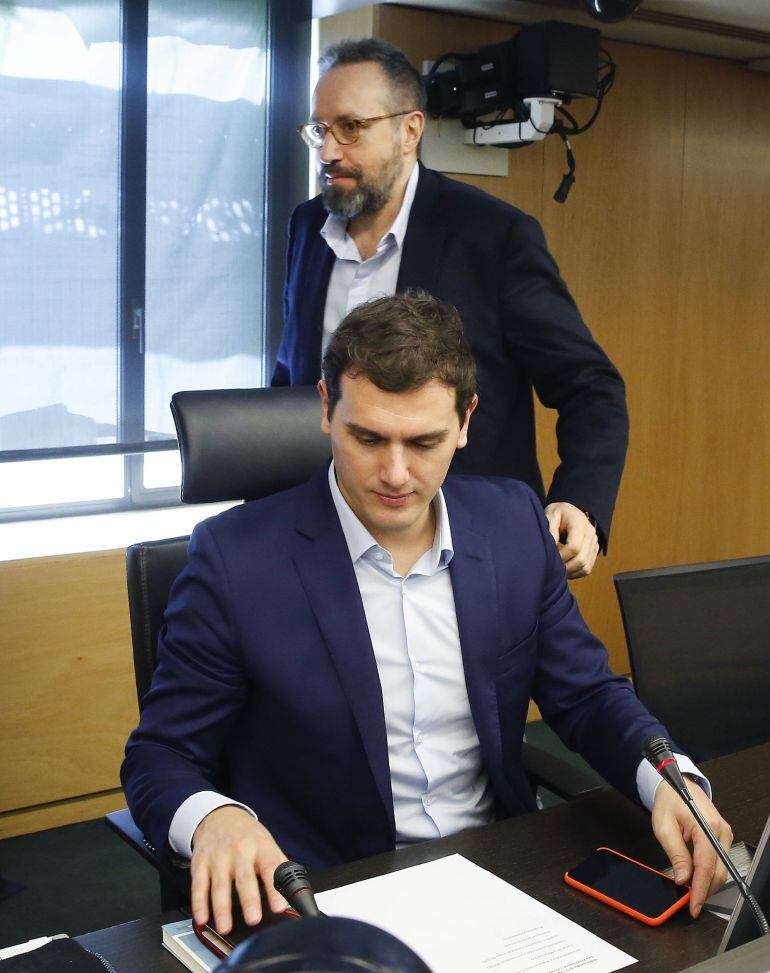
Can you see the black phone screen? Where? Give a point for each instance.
(626, 881)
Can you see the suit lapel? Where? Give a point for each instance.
(425, 236)
(330, 583)
(474, 585)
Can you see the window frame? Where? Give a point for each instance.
(286, 178)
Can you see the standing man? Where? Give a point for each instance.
(384, 223)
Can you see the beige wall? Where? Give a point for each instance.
(663, 244)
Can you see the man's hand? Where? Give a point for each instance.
(676, 828)
(229, 845)
(575, 537)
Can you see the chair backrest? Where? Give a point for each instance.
(235, 444)
(698, 639)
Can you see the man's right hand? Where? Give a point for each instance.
(229, 845)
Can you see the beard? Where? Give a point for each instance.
(369, 194)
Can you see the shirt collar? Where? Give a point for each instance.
(360, 541)
(335, 229)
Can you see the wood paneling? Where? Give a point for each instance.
(67, 701)
(28, 820)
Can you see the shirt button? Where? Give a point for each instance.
(418, 739)
(429, 800)
(416, 666)
(379, 557)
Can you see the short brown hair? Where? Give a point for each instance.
(401, 343)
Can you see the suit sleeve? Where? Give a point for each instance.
(595, 712)
(196, 694)
(281, 372)
(569, 372)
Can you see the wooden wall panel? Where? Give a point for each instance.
(723, 347)
(618, 243)
(67, 701)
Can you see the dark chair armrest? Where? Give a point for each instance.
(174, 877)
(124, 825)
(549, 771)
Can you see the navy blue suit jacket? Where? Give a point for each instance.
(491, 261)
(267, 686)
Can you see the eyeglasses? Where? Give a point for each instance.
(345, 130)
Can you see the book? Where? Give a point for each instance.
(180, 939)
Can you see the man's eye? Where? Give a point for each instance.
(367, 442)
(318, 132)
(425, 445)
(347, 127)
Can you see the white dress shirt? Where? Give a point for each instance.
(353, 280)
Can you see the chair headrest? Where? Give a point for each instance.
(243, 444)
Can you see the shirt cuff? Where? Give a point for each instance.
(648, 779)
(190, 814)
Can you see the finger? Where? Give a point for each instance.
(247, 886)
(554, 521)
(673, 844)
(199, 896)
(222, 898)
(275, 900)
(704, 869)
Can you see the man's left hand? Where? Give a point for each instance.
(575, 537)
(678, 832)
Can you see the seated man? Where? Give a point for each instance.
(346, 666)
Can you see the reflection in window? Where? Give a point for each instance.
(205, 198)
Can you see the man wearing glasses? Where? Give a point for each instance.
(384, 223)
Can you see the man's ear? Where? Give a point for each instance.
(414, 126)
(324, 396)
(463, 440)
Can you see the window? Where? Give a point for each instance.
(134, 255)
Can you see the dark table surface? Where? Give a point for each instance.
(532, 852)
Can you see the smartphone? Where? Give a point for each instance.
(628, 885)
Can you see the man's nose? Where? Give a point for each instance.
(331, 150)
(395, 468)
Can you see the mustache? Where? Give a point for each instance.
(333, 169)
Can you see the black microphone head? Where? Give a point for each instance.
(290, 878)
(656, 748)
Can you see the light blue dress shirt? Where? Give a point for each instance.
(438, 779)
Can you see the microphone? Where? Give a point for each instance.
(656, 749)
(290, 879)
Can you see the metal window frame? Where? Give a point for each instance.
(286, 162)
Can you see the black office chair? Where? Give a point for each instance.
(698, 639)
(244, 444)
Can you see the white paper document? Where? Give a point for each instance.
(461, 918)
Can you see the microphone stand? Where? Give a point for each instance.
(659, 754)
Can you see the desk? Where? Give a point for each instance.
(532, 852)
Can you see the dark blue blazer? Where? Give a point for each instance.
(267, 685)
(491, 261)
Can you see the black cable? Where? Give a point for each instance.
(568, 179)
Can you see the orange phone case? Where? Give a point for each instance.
(648, 920)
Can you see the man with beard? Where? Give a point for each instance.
(384, 223)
